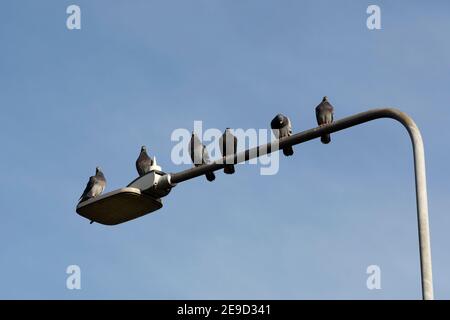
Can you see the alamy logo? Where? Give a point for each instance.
(374, 279)
(74, 279)
(74, 19)
(210, 138)
(374, 20)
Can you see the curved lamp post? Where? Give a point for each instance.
(419, 168)
(142, 195)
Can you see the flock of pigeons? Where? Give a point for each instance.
(280, 125)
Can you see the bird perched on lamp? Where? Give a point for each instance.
(143, 162)
(281, 127)
(199, 155)
(228, 146)
(324, 115)
(95, 185)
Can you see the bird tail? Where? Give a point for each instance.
(288, 151)
(210, 176)
(326, 138)
(228, 169)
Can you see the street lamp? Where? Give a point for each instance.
(144, 194)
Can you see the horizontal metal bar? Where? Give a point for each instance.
(292, 140)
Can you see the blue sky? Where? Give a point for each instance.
(137, 70)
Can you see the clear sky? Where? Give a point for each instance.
(74, 99)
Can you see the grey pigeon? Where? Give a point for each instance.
(143, 162)
(199, 155)
(281, 127)
(228, 146)
(95, 186)
(324, 115)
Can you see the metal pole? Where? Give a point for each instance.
(419, 168)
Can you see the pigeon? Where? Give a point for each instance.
(281, 127)
(324, 115)
(199, 155)
(228, 146)
(143, 162)
(94, 187)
